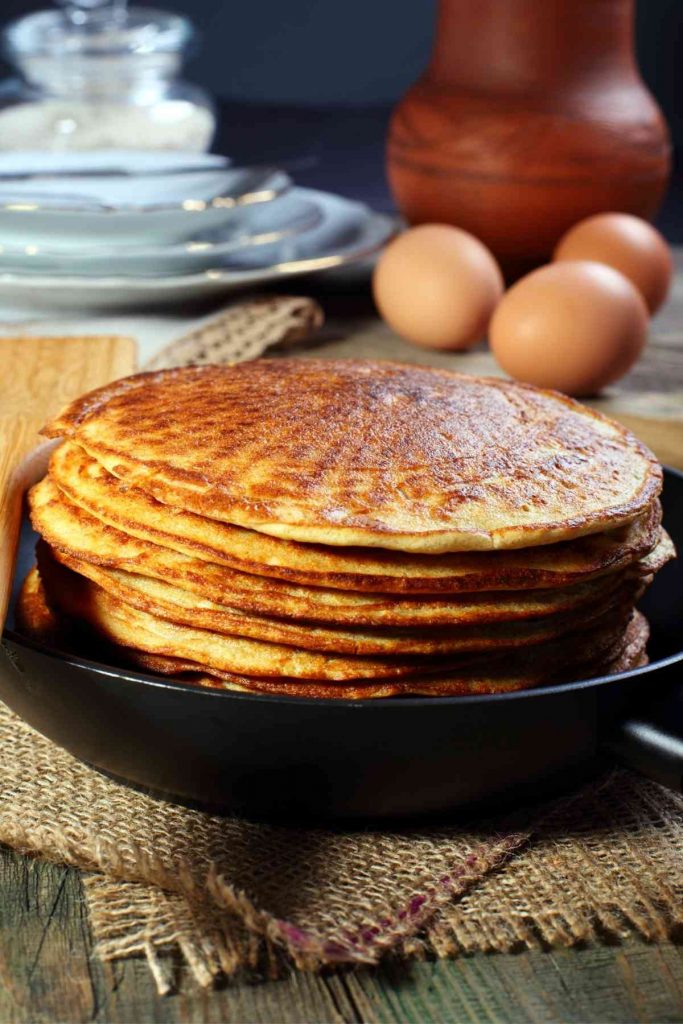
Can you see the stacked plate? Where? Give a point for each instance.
(125, 228)
(344, 529)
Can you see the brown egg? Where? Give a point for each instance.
(630, 245)
(573, 326)
(437, 286)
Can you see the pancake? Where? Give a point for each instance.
(616, 653)
(662, 553)
(178, 606)
(81, 536)
(348, 530)
(129, 509)
(120, 623)
(372, 454)
(34, 617)
(629, 654)
(117, 621)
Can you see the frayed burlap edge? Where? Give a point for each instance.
(127, 911)
(552, 890)
(232, 934)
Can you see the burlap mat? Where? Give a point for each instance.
(243, 330)
(232, 894)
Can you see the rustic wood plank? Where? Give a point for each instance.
(38, 377)
(634, 982)
(299, 999)
(45, 971)
(47, 974)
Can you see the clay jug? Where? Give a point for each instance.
(530, 116)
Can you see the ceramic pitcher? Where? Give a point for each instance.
(531, 115)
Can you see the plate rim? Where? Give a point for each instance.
(383, 225)
(179, 249)
(93, 208)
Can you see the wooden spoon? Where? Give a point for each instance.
(38, 375)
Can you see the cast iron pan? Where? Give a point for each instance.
(283, 757)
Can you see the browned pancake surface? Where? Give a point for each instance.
(377, 454)
(629, 653)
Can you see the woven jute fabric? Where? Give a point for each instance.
(232, 894)
(243, 330)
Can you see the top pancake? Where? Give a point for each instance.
(87, 485)
(69, 529)
(369, 454)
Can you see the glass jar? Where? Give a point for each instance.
(102, 76)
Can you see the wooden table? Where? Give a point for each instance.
(47, 974)
(46, 969)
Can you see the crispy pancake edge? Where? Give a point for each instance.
(373, 570)
(37, 620)
(363, 641)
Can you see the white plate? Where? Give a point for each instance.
(120, 210)
(263, 225)
(27, 163)
(351, 233)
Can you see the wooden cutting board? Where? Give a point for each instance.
(39, 376)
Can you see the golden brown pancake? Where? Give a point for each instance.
(372, 454)
(34, 616)
(345, 529)
(178, 606)
(662, 553)
(126, 626)
(630, 653)
(82, 537)
(87, 485)
(618, 653)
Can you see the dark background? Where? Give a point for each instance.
(310, 82)
(359, 51)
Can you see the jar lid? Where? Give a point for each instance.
(88, 31)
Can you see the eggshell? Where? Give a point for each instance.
(627, 243)
(437, 286)
(574, 326)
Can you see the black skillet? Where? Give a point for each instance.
(288, 757)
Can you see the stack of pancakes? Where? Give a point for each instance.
(345, 529)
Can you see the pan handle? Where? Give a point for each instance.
(651, 741)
